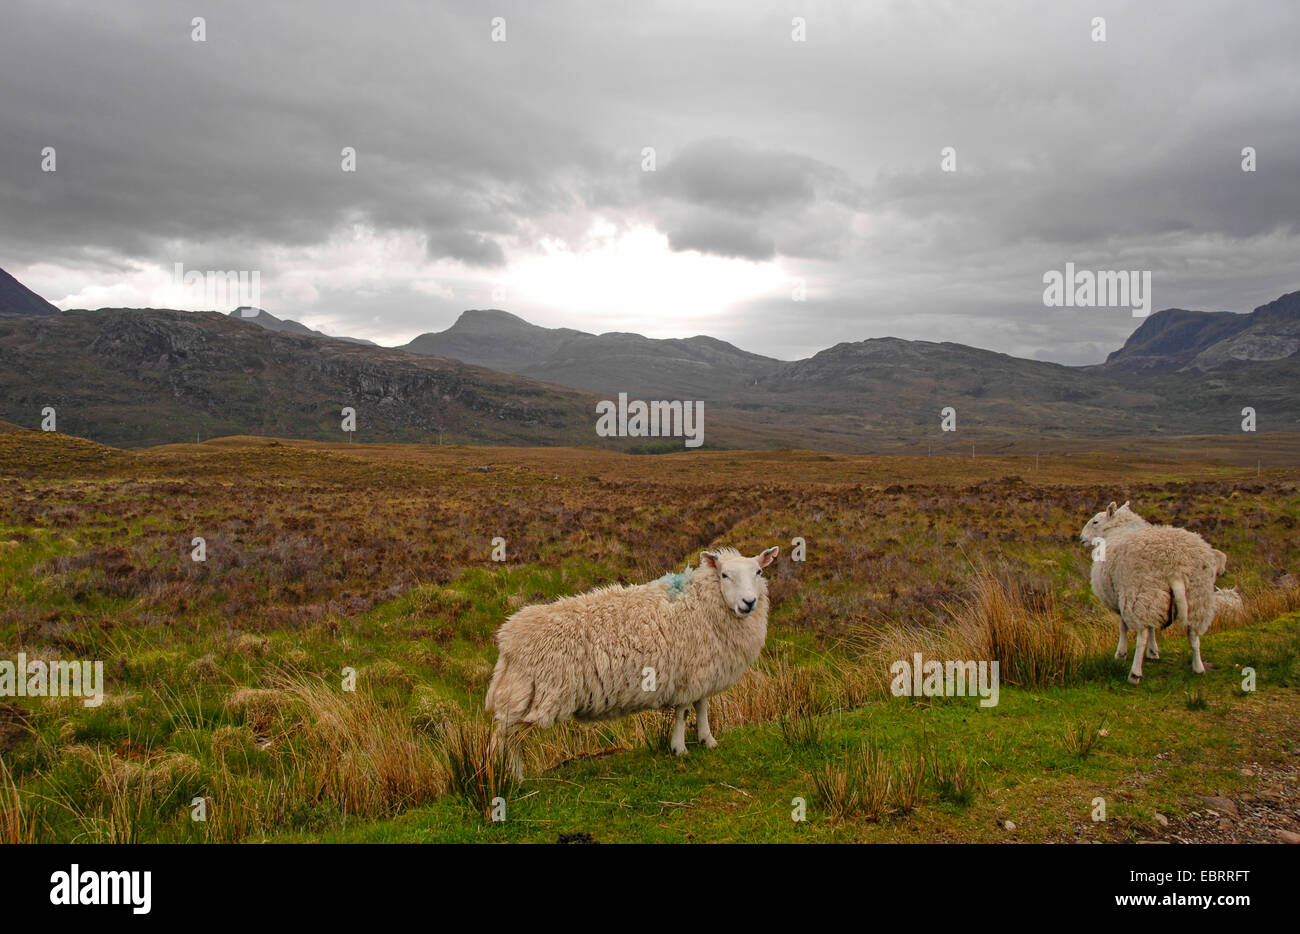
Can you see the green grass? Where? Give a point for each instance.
(1155, 756)
(224, 679)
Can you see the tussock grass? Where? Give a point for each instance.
(872, 782)
(956, 775)
(363, 757)
(801, 729)
(1082, 737)
(478, 768)
(861, 785)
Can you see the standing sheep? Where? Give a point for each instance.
(1152, 576)
(674, 642)
(1225, 602)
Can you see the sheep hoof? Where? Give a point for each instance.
(709, 742)
(1119, 656)
(679, 750)
(1134, 679)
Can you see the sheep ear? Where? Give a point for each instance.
(767, 557)
(708, 560)
(1125, 506)
(1110, 510)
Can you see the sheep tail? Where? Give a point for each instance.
(1177, 603)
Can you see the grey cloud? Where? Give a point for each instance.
(734, 199)
(723, 236)
(470, 248)
(740, 178)
(822, 157)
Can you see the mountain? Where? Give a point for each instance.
(17, 299)
(902, 382)
(272, 323)
(1175, 339)
(694, 367)
(132, 377)
(495, 339)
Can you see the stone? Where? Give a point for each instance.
(1221, 804)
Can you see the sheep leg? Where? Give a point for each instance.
(1153, 650)
(1139, 650)
(702, 724)
(1194, 640)
(678, 744)
(1122, 649)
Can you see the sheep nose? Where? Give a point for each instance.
(749, 604)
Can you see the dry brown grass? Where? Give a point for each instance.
(365, 758)
(1033, 641)
(16, 824)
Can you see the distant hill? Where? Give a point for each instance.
(495, 339)
(132, 377)
(695, 367)
(1209, 340)
(271, 323)
(17, 299)
(884, 393)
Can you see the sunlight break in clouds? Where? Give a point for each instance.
(634, 281)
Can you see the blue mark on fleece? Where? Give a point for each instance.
(676, 583)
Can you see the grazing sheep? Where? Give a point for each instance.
(1152, 576)
(618, 650)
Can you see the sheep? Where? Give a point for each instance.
(617, 650)
(1152, 576)
(1225, 601)
(1228, 602)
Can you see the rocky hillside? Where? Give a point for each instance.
(130, 377)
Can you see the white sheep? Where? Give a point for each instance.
(1225, 602)
(1152, 576)
(1228, 602)
(601, 655)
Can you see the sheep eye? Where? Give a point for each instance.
(725, 577)
(758, 573)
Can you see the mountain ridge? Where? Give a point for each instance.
(145, 376)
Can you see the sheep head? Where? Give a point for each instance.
(740, 578)
(1111, 517)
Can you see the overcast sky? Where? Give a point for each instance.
(511, 174)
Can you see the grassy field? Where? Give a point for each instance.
(224, 676)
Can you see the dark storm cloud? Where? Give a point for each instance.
(822, 157)
(733, 199)
(722, 236)
(739, 178)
